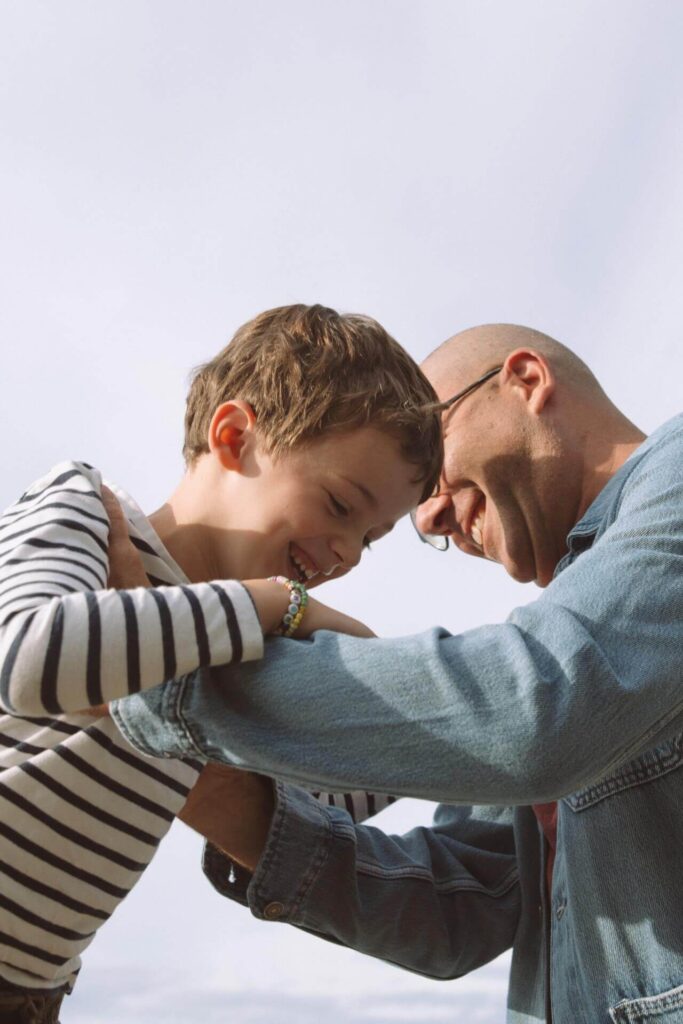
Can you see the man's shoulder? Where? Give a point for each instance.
(652, 477)
(663, 448)
(669, 433)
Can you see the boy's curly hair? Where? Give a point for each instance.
(308, 370)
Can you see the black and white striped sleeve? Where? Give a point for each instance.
(358, 804)
(66, 641)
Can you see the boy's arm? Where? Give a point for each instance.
(230, 808)
(67, 641)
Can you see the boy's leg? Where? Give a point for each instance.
(29, 1006)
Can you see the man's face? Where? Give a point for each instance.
(503, 493)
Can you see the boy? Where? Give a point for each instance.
(306, 439)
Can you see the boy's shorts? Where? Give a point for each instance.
(29, 1006)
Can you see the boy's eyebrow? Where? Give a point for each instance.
(368, 495)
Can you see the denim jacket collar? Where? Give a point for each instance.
(598, 513)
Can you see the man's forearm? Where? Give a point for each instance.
(440, 901)
(517, 713)
(233, 810)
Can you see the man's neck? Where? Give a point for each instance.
(606, 453)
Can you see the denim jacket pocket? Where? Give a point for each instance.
(648, 767)
(666, 1008)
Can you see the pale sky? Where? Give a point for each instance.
(169, 169)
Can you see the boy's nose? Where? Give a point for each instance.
(436, 515)
(347, 551)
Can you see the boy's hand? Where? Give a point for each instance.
(126, 570)
(320, 616)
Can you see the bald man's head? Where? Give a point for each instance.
(464, 357)
(525, 451)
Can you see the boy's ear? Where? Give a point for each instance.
(230, 432)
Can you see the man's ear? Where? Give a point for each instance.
(529, 373)
(231, 433)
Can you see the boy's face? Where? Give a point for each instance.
(309, 513)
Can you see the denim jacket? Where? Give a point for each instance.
(577, 697)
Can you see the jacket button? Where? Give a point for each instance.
(560, 910)
(273, 910)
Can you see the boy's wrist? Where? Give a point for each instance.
(298, 600)
(271, 601)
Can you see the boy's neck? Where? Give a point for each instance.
(182, 543)
(190, 541)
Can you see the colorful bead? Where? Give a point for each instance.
(298, 597)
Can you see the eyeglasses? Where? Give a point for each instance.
(440, 540)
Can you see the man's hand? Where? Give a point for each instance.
(233, 810)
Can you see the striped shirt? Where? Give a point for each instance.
(81, 811)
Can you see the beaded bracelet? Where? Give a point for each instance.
(298, 599)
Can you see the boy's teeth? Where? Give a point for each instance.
(308, 573)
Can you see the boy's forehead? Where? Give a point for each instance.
(360, 449)
(368, 458)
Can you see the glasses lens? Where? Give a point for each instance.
(435, 540)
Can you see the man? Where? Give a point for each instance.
(577, 698)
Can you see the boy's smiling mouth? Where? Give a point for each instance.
(305, 568)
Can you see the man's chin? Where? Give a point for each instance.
(528, 565)
(520, 573)
(543, 574)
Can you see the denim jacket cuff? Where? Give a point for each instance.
(294, 855)
(153, 725)
(227, 877)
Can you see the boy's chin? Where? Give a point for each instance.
(320, 578)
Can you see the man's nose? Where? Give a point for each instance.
(435, 515)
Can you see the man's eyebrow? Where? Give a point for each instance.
(368, 495)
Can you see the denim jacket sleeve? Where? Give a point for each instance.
(455, 885)
(516, 713)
